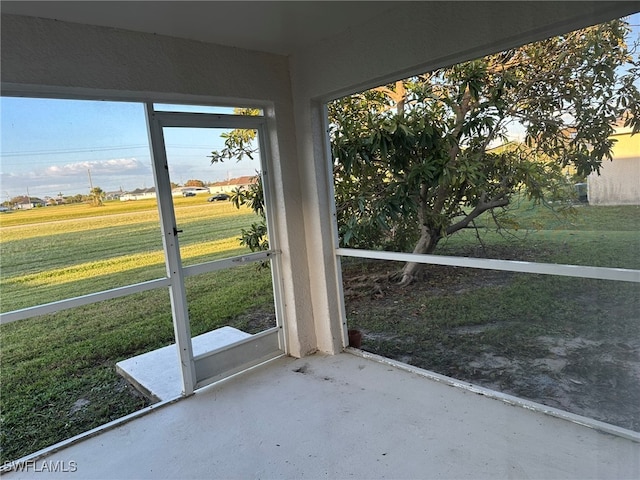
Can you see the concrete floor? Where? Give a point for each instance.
(342, 417)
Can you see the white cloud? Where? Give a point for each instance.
(101, 167)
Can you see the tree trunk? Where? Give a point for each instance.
(426, 244)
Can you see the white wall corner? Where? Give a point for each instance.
(326, 298)
(287, 215)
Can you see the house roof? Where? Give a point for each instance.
(246, 180)
(23, 199)
(142, 190)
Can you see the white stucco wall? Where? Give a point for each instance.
(617, 184)
(416, 37)
(618, 180)
(59, 54)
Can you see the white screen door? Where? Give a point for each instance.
(220, 289)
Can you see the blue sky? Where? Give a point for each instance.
(59, 146)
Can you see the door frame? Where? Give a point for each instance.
(220, 363)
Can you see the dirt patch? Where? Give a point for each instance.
(582, 360)
(255, 321)
(599, 380)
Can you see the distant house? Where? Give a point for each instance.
(26, 203)
(138, 194)
(619, 180)
(230, 185)
(57, 200)
(113, 195)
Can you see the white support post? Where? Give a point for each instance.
(173, 261)
(337, 267)
(276, 270)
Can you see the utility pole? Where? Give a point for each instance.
(90, 182)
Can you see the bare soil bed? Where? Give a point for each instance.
(541, 347)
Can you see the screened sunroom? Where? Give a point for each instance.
(272, 387)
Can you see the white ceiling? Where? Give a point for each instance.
(280, 27)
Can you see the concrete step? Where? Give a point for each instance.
(156, 374)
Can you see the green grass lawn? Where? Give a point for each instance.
(607, 236)
(50, 260)
(58, 374)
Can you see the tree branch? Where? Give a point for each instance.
(399, 96)
(499, 201)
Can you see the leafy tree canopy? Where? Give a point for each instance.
(422, 158)
(97, 196)
(238, 144)
(194, 183)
